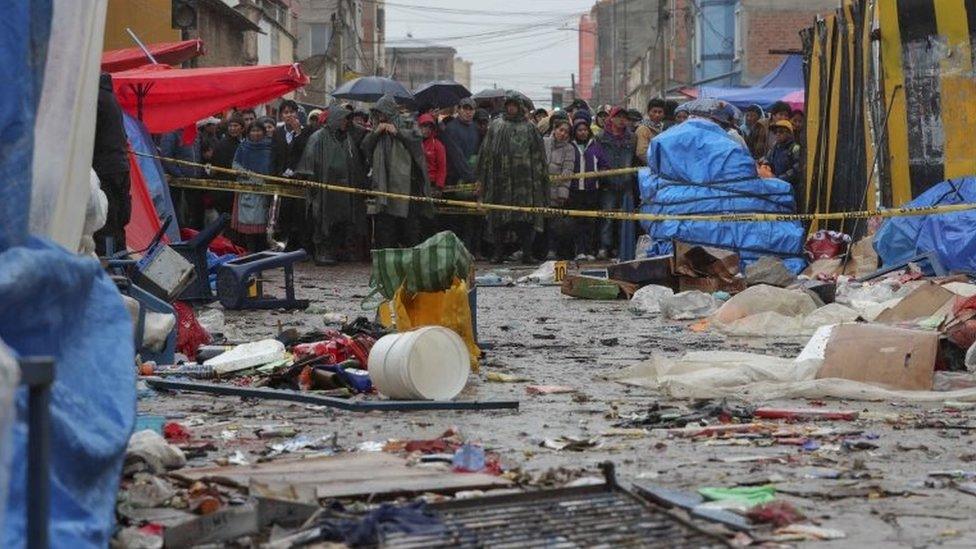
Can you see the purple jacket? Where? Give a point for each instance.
(589, 158)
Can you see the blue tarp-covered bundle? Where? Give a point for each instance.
(951, 235)
(695, 168)
(56, 303)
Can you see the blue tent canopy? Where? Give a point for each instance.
(785, 79)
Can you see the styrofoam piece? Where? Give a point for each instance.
(247, 355)
(430, 363)
(817, 345)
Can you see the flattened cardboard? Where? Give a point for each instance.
(924, 301)
(894, 358)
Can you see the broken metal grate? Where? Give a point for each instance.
(593, 516)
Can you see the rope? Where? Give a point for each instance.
(559, 212)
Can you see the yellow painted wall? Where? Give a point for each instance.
(149, 19)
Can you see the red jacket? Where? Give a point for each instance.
(435, 153)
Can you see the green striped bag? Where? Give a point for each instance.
(431, 266)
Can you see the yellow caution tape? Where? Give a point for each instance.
(235, 186)
(559, 212)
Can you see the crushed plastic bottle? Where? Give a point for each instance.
(469, 458)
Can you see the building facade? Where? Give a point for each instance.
(414, 62)
(338, 40)
(713, 42)
(149, 19)
(587, 56)
(224, 30)
(462, 72)
(275, 44)
(374, 36)
(625, 29)
(774, 26)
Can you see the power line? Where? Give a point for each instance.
(461, 11)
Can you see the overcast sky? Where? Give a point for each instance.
(512, 43)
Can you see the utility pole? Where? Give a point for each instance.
(613, 52)
(662, 19)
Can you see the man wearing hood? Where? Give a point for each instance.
(617, 142)
(332, 155)
(512, 166)
(462, 138)
(394, 152)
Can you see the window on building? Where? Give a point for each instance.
(275, 37)
(696, 43)
(380, 19)
(319, 37)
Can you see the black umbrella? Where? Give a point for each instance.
(371, 88)
(440, 93)
(489, 95)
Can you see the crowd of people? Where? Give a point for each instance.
(507, 154)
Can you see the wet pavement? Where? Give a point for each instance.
(878, 493)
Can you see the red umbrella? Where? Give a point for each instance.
(167, 99)
(169, 53)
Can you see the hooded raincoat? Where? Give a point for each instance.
(397, 162)
(512, 166)
(250, 214)
(332, 155)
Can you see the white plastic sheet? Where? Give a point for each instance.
(64, 132)
(688, 305)
(717, 374)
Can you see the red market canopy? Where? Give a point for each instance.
(169, 53)
(167, 99)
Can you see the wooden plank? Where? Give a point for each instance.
(374, 474)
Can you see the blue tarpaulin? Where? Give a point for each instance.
(152, 171)
(695, 168)
(23, 50)
(56, 303)
(785, 79)
(952, 235)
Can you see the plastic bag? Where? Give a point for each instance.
(826, 244)
(764, 324)
(647, 300)
(545, 274)
(95, 214)
(762, 298)
(688, 305)
(449, 309)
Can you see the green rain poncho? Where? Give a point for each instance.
(397, 162)
(512, 168)
(332, 155)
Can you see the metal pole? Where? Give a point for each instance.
(661, 17)
(332, 402)
(38, 374)
(141, 46)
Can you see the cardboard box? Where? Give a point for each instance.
(703, 261)
(651, 270)
(894, 358)
(710, 285)
(924, 301)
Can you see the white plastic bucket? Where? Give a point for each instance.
(429, 363)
